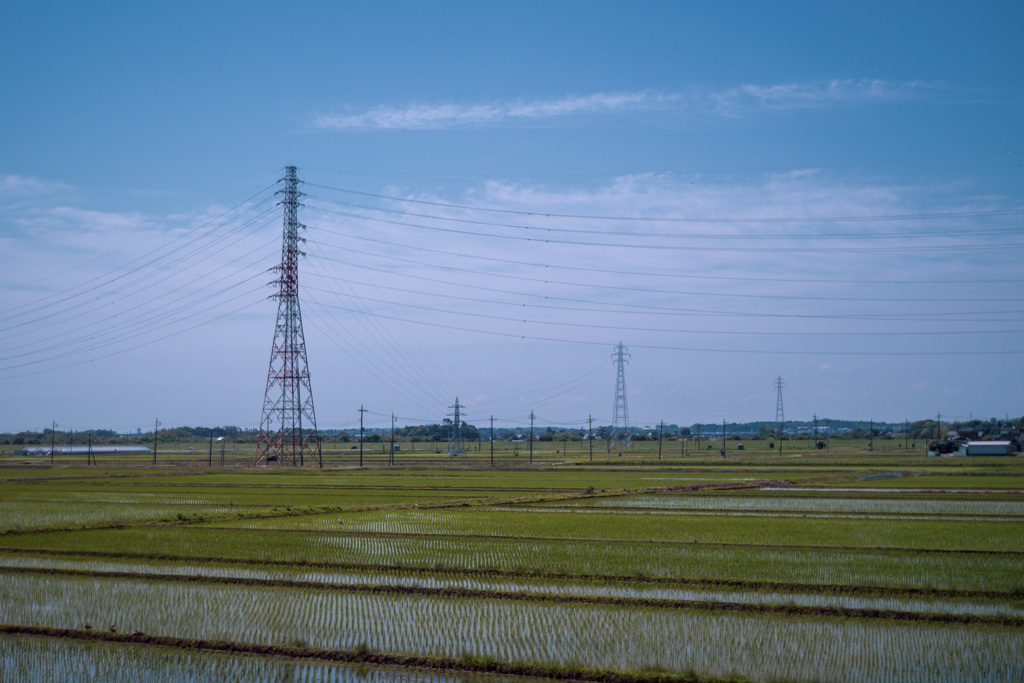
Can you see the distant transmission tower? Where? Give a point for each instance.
(620, 420)
(455, 447)
(780, 416)
(288, 426)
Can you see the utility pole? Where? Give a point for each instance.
(723, 438)
(89, 460)
(871, 436)
(938, 426)
(906, 435)
(815, 431)
(698, 437)
(661, 432)
(53, 441)
(828, 433)
(531, 437)
(288, 400)
(361, 411)
(492, 441)
(211, 448)
(392, 461)
(156, 430)
(590, 436)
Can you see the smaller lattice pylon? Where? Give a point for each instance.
(456, 449)
(621, 437)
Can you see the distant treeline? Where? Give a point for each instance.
(440, 432)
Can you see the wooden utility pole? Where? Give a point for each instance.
(492, 441)
(392, 461)
(156, 430)
(723, 438)
(53, 442)
(90, 460)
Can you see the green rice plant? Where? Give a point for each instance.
(614, 525)
(962, 509)
(803, 565)
(576, 587)
(33, 659)
(603, 636)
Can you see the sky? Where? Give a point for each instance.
(497, 194)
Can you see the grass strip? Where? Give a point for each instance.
(478, 594)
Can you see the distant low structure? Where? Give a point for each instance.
(44, 451)
(985, 448)
(968, 442)
(964, 435)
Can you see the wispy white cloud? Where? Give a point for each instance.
(435, 116)
(428, 116)
(728, 102)
(816, 94)
(20, 186)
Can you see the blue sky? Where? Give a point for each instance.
(830, 192)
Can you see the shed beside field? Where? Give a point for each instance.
(985, 448)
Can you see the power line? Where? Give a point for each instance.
(688, 248)
(688, 219)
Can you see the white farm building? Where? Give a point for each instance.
(985, 448)
(44, 451)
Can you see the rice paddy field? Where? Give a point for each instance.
(855, 566)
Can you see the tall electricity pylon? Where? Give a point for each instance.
(780, 416)
(620, 419)
(288, 426)
(455, 447)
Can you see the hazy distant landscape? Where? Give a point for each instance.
(512, 341)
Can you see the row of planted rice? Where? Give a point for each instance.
(577, 587)
(983, 534)
(714, 643)
(949, 570)
(32, 659)
(797, 504)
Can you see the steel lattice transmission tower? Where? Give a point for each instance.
(780, 415)
(620, 419)
(456, 449)
(288, 427)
